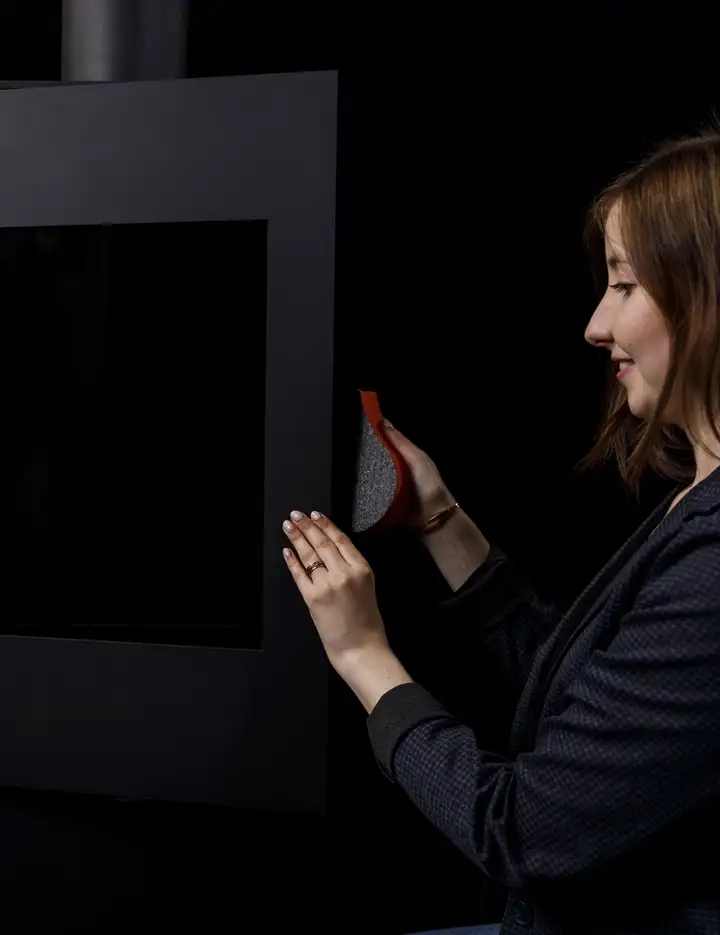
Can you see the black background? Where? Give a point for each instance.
(470, 144)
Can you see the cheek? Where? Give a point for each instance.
(658, 357)
(648, 344)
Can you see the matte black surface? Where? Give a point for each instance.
(171, 721)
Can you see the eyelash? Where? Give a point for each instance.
(625, 287)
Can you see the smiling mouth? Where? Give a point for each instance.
(624, 368)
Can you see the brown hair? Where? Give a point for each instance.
(670, 220)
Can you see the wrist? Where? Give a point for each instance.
(370, 672)
(435, 504)
(457, 547)
(447, 524)
(437, 520)
(349, 662)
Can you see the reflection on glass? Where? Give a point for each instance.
(132, 412)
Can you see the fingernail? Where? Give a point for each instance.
(296, 515)
(316, 515)
(287, 525)
(388, 425)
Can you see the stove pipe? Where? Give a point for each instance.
(123, 40)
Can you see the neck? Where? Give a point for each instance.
(706, 463)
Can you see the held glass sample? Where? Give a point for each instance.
(132, 414)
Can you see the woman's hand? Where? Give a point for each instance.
(340, 597)
(342, 603)
(430, 495)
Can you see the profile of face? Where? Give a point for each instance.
(629, 325)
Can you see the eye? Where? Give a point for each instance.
(624, 287)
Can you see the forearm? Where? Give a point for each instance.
(370, 673)
(458, 548)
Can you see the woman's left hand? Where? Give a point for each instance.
(340, 597)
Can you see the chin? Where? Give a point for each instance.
(644, 407)
(640, 408)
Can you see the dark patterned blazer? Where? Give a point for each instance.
(602, 817)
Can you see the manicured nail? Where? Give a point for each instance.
(288, 526)
(296, 515)
(316, 515)
(388, 425)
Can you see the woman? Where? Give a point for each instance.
(603, 816)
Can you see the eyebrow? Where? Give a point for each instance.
(614, 261)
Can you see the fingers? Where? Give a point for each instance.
(305, 551)
(306, 584)
(342, 543)
(321, 538)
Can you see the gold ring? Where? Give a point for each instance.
(311, 568)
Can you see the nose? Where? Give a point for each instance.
(599, 328)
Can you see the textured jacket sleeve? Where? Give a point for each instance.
(496, 613)
(635, 750)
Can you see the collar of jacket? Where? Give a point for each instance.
(655, 530)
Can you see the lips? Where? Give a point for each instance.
(624, 367)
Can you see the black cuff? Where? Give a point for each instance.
(397, 712)
(491, 576)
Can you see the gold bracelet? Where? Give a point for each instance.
(437, 520)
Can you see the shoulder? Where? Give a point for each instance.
(687, 564)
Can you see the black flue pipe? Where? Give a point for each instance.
(123, 40)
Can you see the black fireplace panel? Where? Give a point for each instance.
(166, 398)
(132, 414)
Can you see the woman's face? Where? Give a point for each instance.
(629, 325)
